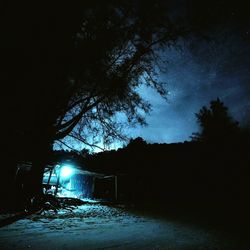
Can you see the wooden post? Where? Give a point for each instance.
(47, 186)
(57, 184)
(116, 190)
(93, 187)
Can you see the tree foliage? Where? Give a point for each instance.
(216, 123)
(70, 68)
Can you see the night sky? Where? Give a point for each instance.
(199, 71)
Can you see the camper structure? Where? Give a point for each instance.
(68, 180)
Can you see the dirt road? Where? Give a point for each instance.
(103, 227)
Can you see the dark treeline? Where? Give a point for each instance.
(214, 166)
(195, 171)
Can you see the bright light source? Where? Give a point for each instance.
(66, 171)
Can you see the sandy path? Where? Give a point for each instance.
(102, 227)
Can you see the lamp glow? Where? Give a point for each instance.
(66, 171)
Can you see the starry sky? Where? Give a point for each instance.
(198, 71)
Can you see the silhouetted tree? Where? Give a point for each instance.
(216, 123)
(137, 142)
(70, 68)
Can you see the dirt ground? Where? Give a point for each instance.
(95, 226)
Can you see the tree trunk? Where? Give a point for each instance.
(39, 162)
(36, 178)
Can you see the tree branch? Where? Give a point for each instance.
(76, 119)
(85, 142)
(68, 123)
(65, 144)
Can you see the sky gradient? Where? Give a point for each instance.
(198, 71)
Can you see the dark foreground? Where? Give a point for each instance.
(95, 226)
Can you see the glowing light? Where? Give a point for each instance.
(66, 171)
